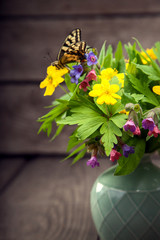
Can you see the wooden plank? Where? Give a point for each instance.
(8, 169)
(50, 200)
(21, 106)
(25, 44)
(17, 7)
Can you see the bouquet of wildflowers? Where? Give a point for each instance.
(113, 100)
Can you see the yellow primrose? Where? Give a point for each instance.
(109, 73)
(120, 77)
(53, 79)
(105, 92)
(156, 89)
(150, 53)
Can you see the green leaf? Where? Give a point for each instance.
(157, 50)
(51, 116)
(75, 151)
(154, 64)
(127, 98)
(119, 52)
(79, 156)
(150, 71)
(109, 131)
(109, 50)
(137, 97)
(116, 108)
(143, 88)
(71, 86)
(107, 61)
(58, 131)
(119, 120)
(128, 165)
(73, 141)
(89, 127)
(102, 54)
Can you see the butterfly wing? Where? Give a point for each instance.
(71, 40)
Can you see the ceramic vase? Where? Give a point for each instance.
(127, 207)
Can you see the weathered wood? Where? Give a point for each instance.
(25, 44)
(50, 200)
(8, 170)
(21, 106)
(17, 7)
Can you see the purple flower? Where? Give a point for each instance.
(93, 162)
(130, 125)
(148, 123)
(91, 59)
(76, 73)
(127, 150)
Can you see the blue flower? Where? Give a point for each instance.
(127, 150)
(91, 59)
(76, 73)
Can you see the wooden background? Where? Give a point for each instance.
(40, 197)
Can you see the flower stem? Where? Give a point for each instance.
(64, 90)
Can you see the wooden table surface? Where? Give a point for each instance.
(41, 198)
(45, 199)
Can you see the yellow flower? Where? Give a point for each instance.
(146, 59)
(124, 111)
(109, 73)
(120, 77)
(53, 79)
(156, 89)
(105, 92)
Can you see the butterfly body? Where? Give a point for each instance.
(72, 50)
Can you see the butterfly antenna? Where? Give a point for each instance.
(50, 57)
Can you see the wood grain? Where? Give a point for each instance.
(21, 106)
(50, 200)
(8, 170)
(37, 7)
(25, 44)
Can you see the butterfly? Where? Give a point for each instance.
(72, 50)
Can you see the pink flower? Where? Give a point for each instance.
(114, 155)
(84, 84)
(91, 76)
(155, 132)
(130, 125)
(137, 131)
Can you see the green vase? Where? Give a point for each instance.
(127, 207)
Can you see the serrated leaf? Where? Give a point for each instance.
(150, 71)
(116, 108)
(89, 127)
(109, 131)
(119, 120)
